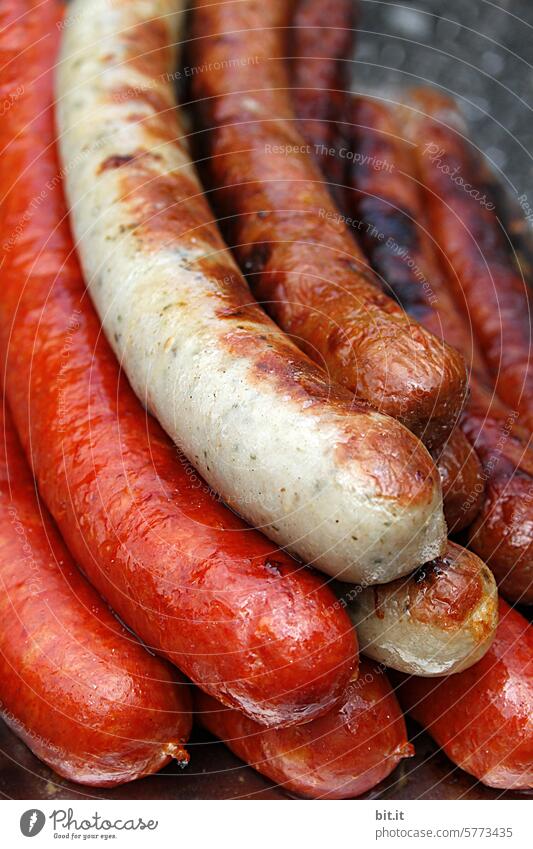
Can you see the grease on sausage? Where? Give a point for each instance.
(482, 717)
(339, 756)
(75, 686)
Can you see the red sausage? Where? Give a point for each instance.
(303, 264)
(241, 618)
(482, 717)
(390, 209)
(482, 272)
(339, 756)
(75, 686)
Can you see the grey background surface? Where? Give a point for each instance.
(479, 51)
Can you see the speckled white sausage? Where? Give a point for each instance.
(441, 619)
(346, 489)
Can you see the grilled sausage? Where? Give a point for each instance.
(390, 217)
(463, 484)
(440, 620)
(471, 238)
(322, 41)
(80, 691)
(302, 263)
(510, 213)
(502, 534)
(406, 259)
(386, 209)
(341, 486)
(482, 716)
(243, 619)
(339, 756)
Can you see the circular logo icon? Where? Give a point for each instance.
(32, 822)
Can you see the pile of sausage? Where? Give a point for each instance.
(245, 405)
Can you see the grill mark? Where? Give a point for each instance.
(447, 590)
(170, 209)
(148, 45)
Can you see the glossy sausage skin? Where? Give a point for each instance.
(75, 686)
(515, 225)
(386, 208)
(349, 491)
(321, 44)
(240, 617)
(440, 620)
(302, 263)
(482, 716)
(390, 216)
(406, 258)
(502, 534)
(474, 245)
(463, 484)
(339, 756)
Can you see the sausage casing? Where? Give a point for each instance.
(289, 238)
(322, 41)
(339, 756)
(472, 240)
(482, 716)
(240, 617)
(75, 686)
(293, 454)
(406, 257)
(440, 620)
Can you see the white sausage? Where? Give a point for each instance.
(344, 488)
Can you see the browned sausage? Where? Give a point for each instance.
(339, 756)
(405, 256)
(321, 43)
(471, 239)
(502, 534)
(302, 263)
(463, 484)
(439, 620)
(330, 479)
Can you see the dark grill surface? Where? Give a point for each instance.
(480, 52)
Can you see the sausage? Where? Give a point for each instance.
(471, 238)
(80, 691)
(391, 221)
(339, 756)
(388, 217)
(345, 489)
(406, 260)
(240, 617)
(288, 237)
(463, 485)
(322, 42)
(502, 534)
(482, 717)
(512, 218)
(440, 620)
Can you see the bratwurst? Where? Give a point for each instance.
(289, 238)
(239, 616)
(350, 491)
